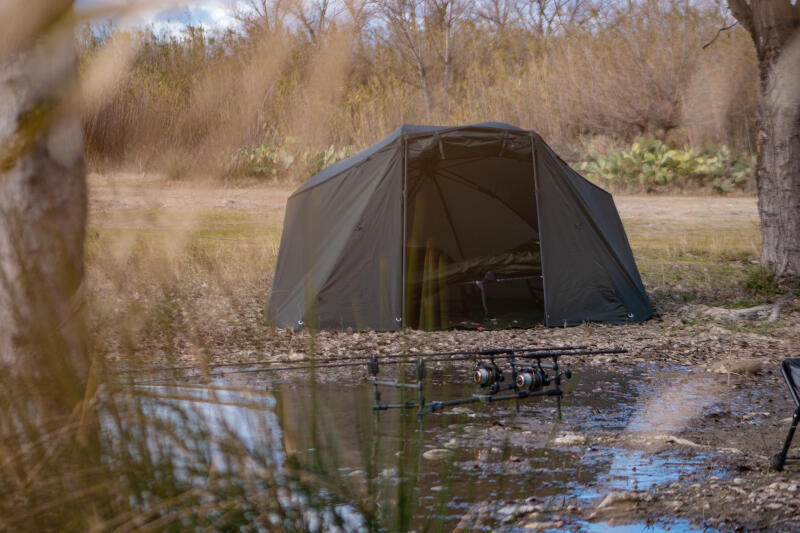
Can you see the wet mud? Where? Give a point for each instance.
(638, 445)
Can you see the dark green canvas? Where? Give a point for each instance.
(433, 223)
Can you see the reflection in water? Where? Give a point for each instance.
(242, 437)
(498, 453)
(376, 459)
(669, 408)
(676, 402)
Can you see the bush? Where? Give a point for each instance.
(279, 159)
(762, 282)
(268, 159)
(317, 160)
(652, 165)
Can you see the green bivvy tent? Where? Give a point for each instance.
(437, 224)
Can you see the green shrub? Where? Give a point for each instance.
(650, 164)
(762, 282)
(280, 158)
(317, 160)
(269, 159)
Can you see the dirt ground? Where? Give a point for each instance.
(695, 254)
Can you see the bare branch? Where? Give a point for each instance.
(719, 31)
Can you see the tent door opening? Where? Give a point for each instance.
(472, 242)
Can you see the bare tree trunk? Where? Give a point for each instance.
(43, 198)
(423, 80)
(775, 28)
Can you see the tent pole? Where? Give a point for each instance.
(405, 233)
(539, 220)
(449, 217)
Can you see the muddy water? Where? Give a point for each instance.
(432, 472)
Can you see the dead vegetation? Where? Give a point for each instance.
(301, 78)
(182, 270)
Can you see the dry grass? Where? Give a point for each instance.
(184, 105)
(693, 247)
(182, 270)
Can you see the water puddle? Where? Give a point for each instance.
(435, 471)
(674, 526)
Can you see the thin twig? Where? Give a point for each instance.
(719, 31)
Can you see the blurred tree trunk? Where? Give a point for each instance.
(775, 28)
(43, 198)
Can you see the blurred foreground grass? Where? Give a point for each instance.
(178, 272)
(181, 269)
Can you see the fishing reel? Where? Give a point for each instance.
(531, 378)
(487, 375)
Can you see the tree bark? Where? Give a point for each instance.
(775, 28)
(43, 197)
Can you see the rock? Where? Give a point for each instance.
(437, 454)
(452, 444)
(542, 526)
(683, 442)
(526, 508)
(508, 510)
(739, 366)
(729, 450)
(615, 498)
(569, 439)
(459, 411)
(617, 505)
(437, 488)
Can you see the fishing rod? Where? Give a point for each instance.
(316, 360)
(398, 359)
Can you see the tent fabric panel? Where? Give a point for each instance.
(318, 225)
(406, 130)
(606, 216)
(364, 290)
(584, 281)
(346, 164)
(470, 142)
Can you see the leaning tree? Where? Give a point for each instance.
(775, 28)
